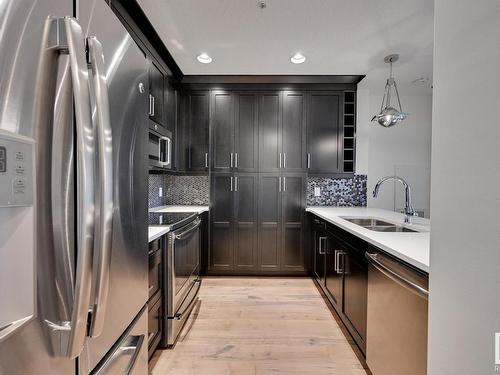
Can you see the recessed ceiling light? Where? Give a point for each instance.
(204, 58)
(298, 58)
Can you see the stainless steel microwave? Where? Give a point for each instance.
(160, 147)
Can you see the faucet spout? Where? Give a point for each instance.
(409, 210)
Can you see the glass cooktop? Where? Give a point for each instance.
(172, 219)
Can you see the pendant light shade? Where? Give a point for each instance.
(390, 116)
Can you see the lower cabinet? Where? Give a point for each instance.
(257, 223)
(341, 270)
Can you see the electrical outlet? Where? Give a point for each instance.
(317, 192)
(160, 192)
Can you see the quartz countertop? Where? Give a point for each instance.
(411, 247)
(155, 232)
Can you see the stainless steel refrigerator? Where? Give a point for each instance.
(73, 199)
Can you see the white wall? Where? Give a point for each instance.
(465, 192)
(404, 150)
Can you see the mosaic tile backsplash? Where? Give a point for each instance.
(178, 190)
(341, 192)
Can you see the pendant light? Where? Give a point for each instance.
(390, 116)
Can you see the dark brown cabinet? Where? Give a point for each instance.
(246, 133)
(234, 222)
(294, 132)
(293, 206)
(222, 128)
(156, 81)
(245, 221)
(355, 269)
(269, 221)
(334, 270)
(340, 256)
(323, 132)
(270, 155)
(197, 129)
(222, 223)
(281, 222)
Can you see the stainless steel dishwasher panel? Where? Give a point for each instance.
(397, 318)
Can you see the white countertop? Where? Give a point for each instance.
(155, 232)
(412, 247)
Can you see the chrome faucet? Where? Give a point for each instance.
(409, 210)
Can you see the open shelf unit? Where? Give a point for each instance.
(349, 137)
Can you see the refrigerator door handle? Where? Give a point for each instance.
(64, 36)
(104, 197)
(130, 347)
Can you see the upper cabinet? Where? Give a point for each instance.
(294, 131)
(197, 129)
(324, 132)
(156, 104)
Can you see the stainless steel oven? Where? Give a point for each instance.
(159, 147)
(181, 281)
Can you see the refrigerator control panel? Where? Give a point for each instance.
(16, 171)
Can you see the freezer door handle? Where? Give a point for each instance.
(114, 364)
(64, 36)
(104, 193)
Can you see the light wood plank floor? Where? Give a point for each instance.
(259, 326)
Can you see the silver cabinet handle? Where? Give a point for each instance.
(321, 249)
(206, 159)
(231, 183)
(377, 261)
(231, 160)
(279, 186)
(280, 161)
(308, 161)
(338, 255)
(104, 196)
(284, 160)
(236, 183)
(151, 105)
(153, 113)
(284, 184)
(65, 36)
(236, 160)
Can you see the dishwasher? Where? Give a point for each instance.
(397, 317)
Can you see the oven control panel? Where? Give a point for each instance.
(16, 170)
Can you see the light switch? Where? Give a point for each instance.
(317, 192)
(160, 192)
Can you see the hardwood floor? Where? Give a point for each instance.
(259, 326)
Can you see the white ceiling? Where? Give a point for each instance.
(337, 36)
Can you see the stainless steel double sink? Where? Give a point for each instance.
(377, 225)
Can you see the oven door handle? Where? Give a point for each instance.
(187, 310)
(190, 229)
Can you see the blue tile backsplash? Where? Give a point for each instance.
(340, 192)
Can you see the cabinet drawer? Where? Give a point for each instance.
(155, 273)
(154, 325)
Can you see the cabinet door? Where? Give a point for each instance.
(246, 133)
(197, 120)
(355, 290)
(222, 212)
(170, 106)
(294, 131)
(222, 131)
(245, 230)
(323, 126)
(334, 269)
(319, 238)
(269, 221)
(270, 132)
(293, 195)
(156, 91)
